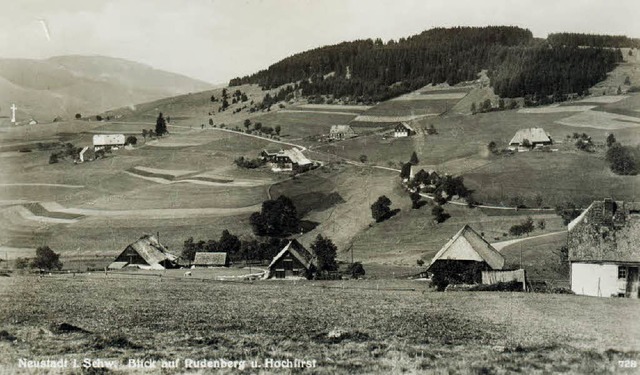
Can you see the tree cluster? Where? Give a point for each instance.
(591, 40)
(525, 227)
(46, 259)
(236, 249)
(277, 218)
(243, 162)
(381, 209)
(623, 160)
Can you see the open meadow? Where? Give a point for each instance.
(407, 328)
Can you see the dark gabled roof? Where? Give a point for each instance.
(406, 126)
(298, 251)
(607, 231)
(210, 259)
(467, 244)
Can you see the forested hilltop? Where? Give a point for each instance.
(517, 64)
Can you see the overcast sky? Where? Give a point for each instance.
(215, 40)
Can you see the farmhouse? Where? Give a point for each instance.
(536, 137)
(465, 256)
(603, 250)
(217, 259)
(339, 132)
(293, 261)
(403, 129)
(101, 141)
(146, 253)
(287, 160)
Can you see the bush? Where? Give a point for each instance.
(356, 270)
(53, 158)
(522, 228)
(249, 163)
(131, 140)
(509, 286)
(380, 209)
(21, 263)
(46, 259)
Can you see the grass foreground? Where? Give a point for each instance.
(346, 327)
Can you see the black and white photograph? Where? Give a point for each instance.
(319, 187)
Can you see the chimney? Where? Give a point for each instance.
(609, 208)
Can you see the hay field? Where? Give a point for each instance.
(406, 331)
(601, 120)
(558, 177)
(297, 124)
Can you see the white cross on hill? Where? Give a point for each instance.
(13, 113)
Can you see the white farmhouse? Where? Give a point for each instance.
(101, 141)
(402, 130)
(604, 250)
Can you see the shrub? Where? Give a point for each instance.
(131, 140)
(509, 286)
(21, 263)
(53, 158)
(380, 209)
(356, 270)
(46, 259)
(522, 228)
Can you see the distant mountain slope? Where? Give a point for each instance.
(66, 85)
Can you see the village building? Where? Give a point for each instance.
(287, 160)
(146, 253)
(292, 262)
(403, 129)
(101, 141)
(215, 259)
(604, 251)
(535, 137)
(340, 132)
(465, 256)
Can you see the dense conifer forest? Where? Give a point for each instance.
(517, 63)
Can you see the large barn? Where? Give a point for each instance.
(340, 132)
(465, 256)
(287, 160)
(536, 137)
(402, 130)
(604, 250)
(292, 262)
(146, 253)
(101, 141)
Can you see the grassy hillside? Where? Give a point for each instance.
(413, 331)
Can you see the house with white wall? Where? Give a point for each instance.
(604, 250)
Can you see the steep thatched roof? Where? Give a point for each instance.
(341, 129)
(467, 244)
(151, 250)
(607, 231)
(298, 251)
(534, 135)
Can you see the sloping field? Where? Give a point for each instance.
(396, 331)
(558, 177)
(555, 108)
(601, 120)
(541, 258)
(296, 124)
(412, 234)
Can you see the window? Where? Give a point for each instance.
(622, 272)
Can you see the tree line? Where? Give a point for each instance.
(368, 70)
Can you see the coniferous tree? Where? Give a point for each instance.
(161, 126)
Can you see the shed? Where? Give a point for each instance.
(216, 259)
(465, 256)
(293, 261)
(145, 253)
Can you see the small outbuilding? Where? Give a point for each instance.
(146, 253)
(531, 137)
(216, 259)
(403, 129)
(465, 256)
(340, 132)
(294, 261)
